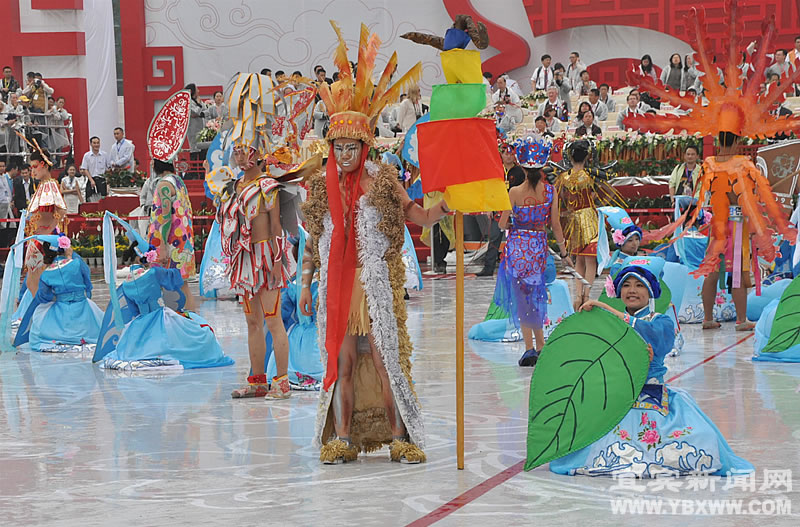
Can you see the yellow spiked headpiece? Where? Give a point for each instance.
(355, 105)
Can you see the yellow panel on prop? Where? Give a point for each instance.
(462, 65)
(478, 196)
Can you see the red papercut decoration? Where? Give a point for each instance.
(168, 128)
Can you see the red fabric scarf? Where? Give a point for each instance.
(341, 261)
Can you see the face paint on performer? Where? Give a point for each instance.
(245, 157)
(347, 153)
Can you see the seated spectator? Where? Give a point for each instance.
(540, 127)
(542, 76)
(553, 125)
(631, 109)
(672, 75)
(503, 94)
(586, 85)
(554, 102)
(564, 86)
(507, 102)
(588, 127)
(583, 107)
(643, 106)
(598, 107)
(606, 99)
(57, 116)
(646, 68)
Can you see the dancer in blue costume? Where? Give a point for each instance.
(521, 287)
(777, 335)
(305, 368)
(61, 317)
(665, 433)
(624, 233)
(152, 335)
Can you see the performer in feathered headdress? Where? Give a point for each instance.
(255, 212)
(355, 215)
(741, 198)
(170, 230)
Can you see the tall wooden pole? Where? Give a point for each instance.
(459, 339)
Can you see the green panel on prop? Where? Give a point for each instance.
(457, 101)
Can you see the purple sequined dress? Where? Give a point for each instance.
(521, 286)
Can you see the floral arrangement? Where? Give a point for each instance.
(533, 99)
(210, 131)
(124, 178)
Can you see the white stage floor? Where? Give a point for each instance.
(81, 446)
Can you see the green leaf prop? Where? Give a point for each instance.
(496, 313)
(588, 376)
(785, 331)
(662, 302)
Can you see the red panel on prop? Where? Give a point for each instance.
(57, 4)
(454, 151)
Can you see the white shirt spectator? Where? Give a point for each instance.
(95, 164)
(513, 86)
(408, 112)
(497, 96)
(554, 125)
(574, 72)
(609, 103)
(542, 77)
(121, 154)
(558, 105)
(599, 110)
(623, 114)
(56, 118)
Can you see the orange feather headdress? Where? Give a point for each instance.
(735, 104)
(355, 105)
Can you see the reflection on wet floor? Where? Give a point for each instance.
(80, 445)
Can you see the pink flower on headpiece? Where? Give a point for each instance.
(64, 242)
(618, 237)
(706, 217)
(626, 220)
(151, 256)
(610, 287)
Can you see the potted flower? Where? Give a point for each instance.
(207, 134)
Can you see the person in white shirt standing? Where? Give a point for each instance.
(575, 68)
(542, 76)
(6, 208)
(94, 164)
(122, 152)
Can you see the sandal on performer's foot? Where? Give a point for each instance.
(711, 324)
(529, 358)
(280, 388)
(257, 387)
(337, 451)
(745, 326)
(403, 451)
